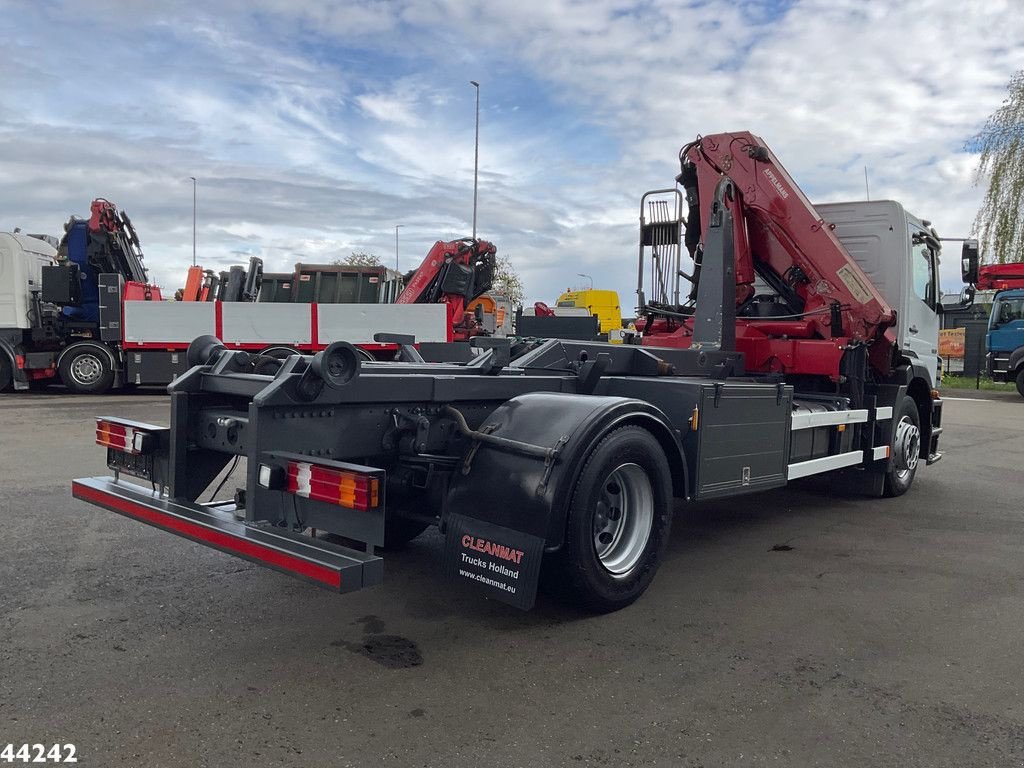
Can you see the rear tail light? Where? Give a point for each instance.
(121, 437)
(334, 486)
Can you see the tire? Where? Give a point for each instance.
(86, 370)
(1020, 382)
(399, 531)
(270, 360)
(279, 353)
(6, 373)
(608, 561)
(906, 449)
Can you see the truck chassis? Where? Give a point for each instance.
(504, 455)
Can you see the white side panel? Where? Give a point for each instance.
(356, 323)
(267, 323)
(824, 464)
(827, 418)
(167, 321)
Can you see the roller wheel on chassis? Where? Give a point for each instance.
(906, 448)
(6, 373)
(1020, 382)
(86, 370)
(619, 522)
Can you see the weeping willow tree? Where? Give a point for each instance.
(999, 224)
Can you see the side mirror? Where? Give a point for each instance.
(969, 262)
(967, 296)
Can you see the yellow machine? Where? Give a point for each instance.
(604, 304)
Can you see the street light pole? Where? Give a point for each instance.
(581, 274)
(396, 246)
(476, 152)
(193, 220)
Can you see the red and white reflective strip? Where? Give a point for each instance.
(334, 486)
(120, 437)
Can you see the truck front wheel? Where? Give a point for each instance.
(86, 370)
(906, 448)
(619, 521)
(1020, 382)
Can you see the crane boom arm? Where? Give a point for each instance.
(781, 237)
(453, 273)
(1000, 277)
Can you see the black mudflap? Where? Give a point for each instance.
(503, 563)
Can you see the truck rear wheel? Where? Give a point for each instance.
(619, 521)
(906, 448)
(1020, 382)
(86, 370)
(399, 531)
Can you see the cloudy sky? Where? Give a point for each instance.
(314, 127)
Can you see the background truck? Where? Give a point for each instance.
(586, 315)
(85, 313)
(1004, 341)
(600, 302)
(786, 360)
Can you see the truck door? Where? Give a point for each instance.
(1006, 328)
(921, 325)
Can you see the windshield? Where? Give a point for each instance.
(1007, 310)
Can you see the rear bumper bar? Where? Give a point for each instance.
(327, 565)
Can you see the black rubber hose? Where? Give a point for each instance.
(501, 443)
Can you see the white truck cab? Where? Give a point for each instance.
(900, 253)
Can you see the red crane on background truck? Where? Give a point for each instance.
(453, 273)
(806, 344)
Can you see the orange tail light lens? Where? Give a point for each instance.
(121, 437)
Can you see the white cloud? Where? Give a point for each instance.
(316, 127)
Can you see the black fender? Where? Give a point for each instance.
(1016, 361)
(919, 371)
(531, 494)
(915, 381)
(17, 374)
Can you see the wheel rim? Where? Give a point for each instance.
(623, 518)
(908, 447)
(86, 369)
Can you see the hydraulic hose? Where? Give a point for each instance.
(500, 443)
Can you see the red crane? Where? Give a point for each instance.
(823, 303)
(453, 273)
(1000, 277)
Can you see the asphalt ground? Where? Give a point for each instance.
(802, 627)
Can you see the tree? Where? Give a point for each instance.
(999, 224)
(359, 259)
(507, 281)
